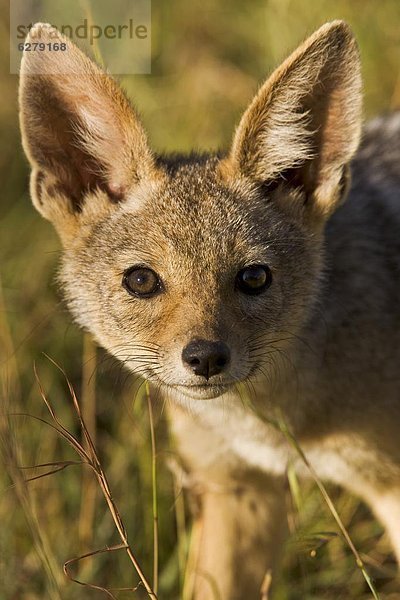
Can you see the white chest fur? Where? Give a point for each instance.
(340, 458)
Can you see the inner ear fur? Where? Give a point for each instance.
(81, 135)
(303, 126)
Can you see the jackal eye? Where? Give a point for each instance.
(142, 282)
(253, 279)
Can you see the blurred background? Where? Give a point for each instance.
(208, 57)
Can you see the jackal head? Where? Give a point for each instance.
(192, 270)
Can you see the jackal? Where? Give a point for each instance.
(241, 285)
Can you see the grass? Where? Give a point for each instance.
(208, 58)
(89, 456)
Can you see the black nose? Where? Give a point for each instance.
(206, 358)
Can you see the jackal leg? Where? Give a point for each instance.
(386, 506)
(237, 538)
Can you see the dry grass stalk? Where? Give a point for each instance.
(154, 489)
(88, 401)
(92, 586)
(9, 393)
(325, 495)
(90, 457)
(281, 425)
(180, 518)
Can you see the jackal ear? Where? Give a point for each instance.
(303, 126)
(79, 131)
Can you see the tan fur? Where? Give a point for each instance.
(298, 109)
(90, 137)
(319, 347)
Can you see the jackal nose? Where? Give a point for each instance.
(206, 358)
